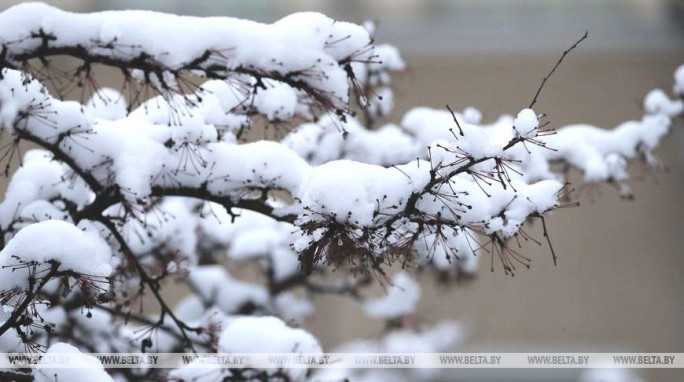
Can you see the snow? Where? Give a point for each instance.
(53, 240)
(171, 224)
(202, 155)
(526, 123)
(252, 236)
(465, 261)
(155, 147)
(39, 180)
(294, 44)
(92, 370)
(277, 102)
(230, 295)
(366, 188)
(472, 116)
(443, 336)
(382, 184)
(679, 81)
(107, 104)
(10, 342)
(267, 334)
(401, 299)
(292, 308)
(321, 142)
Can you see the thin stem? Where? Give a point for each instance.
(534, 100)
(30, 295)
(152, 283)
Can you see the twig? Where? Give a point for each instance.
(455, 120)
(151, 283)
(586, 34)
(30, 295)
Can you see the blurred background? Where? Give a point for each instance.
(618, 283)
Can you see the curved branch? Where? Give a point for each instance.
(60, 155)
(111, 197)
(219, 48)
(12, 321)
(152, 283)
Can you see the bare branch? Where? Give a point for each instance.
(534, 100)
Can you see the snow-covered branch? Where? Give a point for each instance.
(159, 180)
(307, 51)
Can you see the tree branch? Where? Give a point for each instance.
(152, 283)
(534, 100)
(30, 295)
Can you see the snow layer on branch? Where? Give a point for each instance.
(441, 337)
(108, 104)
(590, 149)
(170, 226)
(487, 202)
(231, 105)
(401, 299)
(10, 342)
(37, 181)
(92, 370)
(601, 155)
(137, 146)
(365, 189)
(252, 236)
(657, 102)
(26, 102)
(277, 101)
(322, 142)
(428, 125)
(81, 252)
(267, 334)
(385, 59)
(587, 147)
(215, 285)
(297, 45)
(146, 152)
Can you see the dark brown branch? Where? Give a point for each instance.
(60, 155)
(302, 280)
(12, 321)
(534, 100)
(148, 65)
(111, 197)
(152, 283)
(145, 321)
(437, 179)
(453, 115)
(256, 205)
